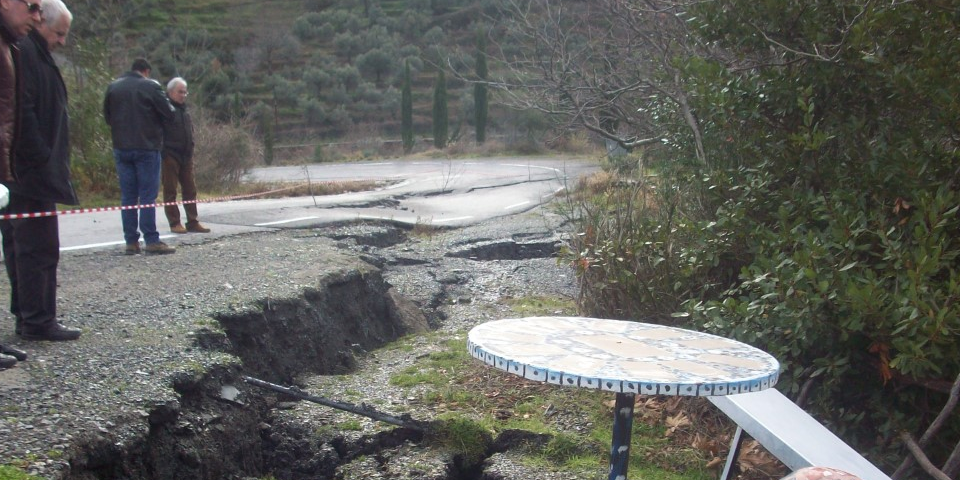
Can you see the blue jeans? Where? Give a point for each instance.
(139, 175)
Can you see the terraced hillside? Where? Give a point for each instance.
(309, 70)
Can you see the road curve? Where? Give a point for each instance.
(431, 192)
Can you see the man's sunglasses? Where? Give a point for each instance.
(33, 7)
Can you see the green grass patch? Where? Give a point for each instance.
(350, 425)
(9, 472)
(463, 436)
(477, 401)
(413, 376)
(542, 306)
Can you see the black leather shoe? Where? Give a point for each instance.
(20, 355)
(54, 332)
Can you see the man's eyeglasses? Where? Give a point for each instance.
(33, 7)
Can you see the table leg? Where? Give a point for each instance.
(622, 429)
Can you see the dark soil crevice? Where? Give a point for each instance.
(320, 332)
(508, 250)
(207, 434)
(371, 235)
(198, 437)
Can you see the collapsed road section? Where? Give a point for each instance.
(155, 389)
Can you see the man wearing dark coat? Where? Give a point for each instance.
(177, 166)
(41, 166)
(16, 20)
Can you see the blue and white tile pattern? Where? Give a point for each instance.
(622, 356)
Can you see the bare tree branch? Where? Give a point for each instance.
(921, 458)
(934, 428)
(952, 466)
(605, 66)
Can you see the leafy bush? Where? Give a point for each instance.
(639, 255)
(822, 223)
(855, 299)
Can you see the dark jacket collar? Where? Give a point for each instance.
(42, 42)
(42, 46)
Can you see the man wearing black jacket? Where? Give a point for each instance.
(136, 107)
(41, 166)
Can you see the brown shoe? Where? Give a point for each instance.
(197, 228)
(159, 248)
(132, 249)
(178, 229)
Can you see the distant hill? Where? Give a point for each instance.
(310, 70)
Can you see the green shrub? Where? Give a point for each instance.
(641, 252)
(849, 294)
(92, 165)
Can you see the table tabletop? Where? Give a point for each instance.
(622, 356)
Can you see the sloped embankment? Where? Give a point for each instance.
(215, 429)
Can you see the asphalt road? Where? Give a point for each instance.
(433, 192)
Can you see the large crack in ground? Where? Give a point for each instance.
(221, 427)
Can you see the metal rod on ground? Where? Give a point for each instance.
(365, 410)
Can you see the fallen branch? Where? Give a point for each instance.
(363, 409)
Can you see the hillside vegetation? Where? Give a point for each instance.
(304, 70)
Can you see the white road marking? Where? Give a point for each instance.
(279, 222)
(454, 219)
(104, 244)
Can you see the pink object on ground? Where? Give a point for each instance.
(820, 473)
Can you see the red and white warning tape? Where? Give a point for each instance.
(18, 216)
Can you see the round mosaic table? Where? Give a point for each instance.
(624, 357)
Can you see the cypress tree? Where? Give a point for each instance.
(406, 111)
(480, 89)
(267, 142)
(440, 111)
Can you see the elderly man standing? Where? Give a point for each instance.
(41, 166)
(178, 162)
(17, 17)
(136, 107)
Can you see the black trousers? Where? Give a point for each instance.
(31, 253)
